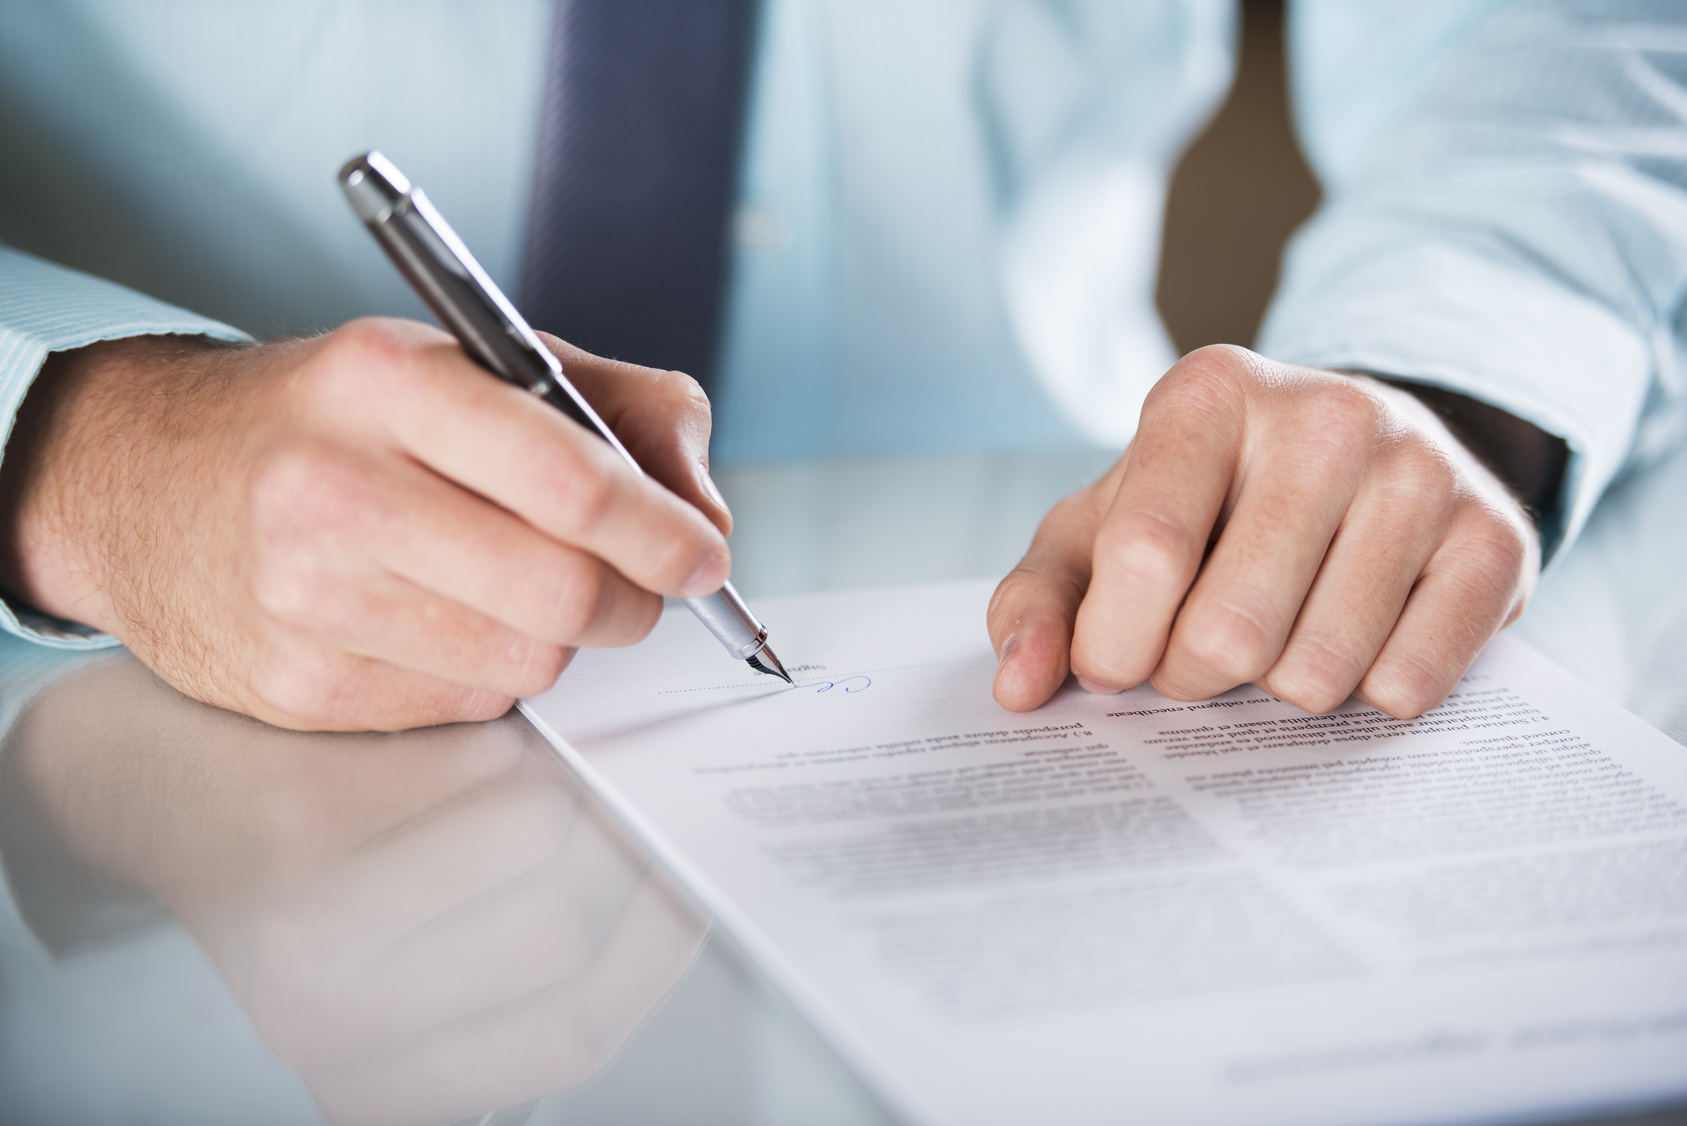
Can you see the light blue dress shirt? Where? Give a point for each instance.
(949, 214)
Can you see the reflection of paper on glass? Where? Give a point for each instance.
(1125, 908)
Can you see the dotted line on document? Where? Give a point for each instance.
(799, 684)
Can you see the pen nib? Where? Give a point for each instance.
(763, 660)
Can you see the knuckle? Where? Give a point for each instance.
(691, 417)
(367, 357)
(1422, 471)
(1227, 641)
(1144, 548)
(281, 484)
(587, 493)
(1014, 588)
(1315, 674)
(650, 612)
(1309, 695)
(683, 392)
(691, 545)
(312, 691)
(1025, 590)
(288, 595)
(1350, 416)
(1498, 556)
(1403, 686)
(354, 353)
(305, 486)
(302, 689)
(1097, 662)
(1225, 362)
(366, 342)
(466, 706)
(535, 665)
(575, 598)
(1208, 381)
(1353, 404)
(305, 505)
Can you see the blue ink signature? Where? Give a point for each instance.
(848, 684)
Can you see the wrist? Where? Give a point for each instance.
(76, 464)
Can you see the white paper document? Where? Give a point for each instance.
(1128, 909)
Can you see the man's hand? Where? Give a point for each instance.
(361, 530)
(1313, 533)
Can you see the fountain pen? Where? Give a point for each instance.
(468, 303)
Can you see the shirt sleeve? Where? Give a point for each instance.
(1505, 215)
(44, 309)
(1084, 107)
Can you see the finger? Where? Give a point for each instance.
(1472, 586)
(1148, 547)
(390, 619)
(1031, 614)
(520, 453)
(456, 545)
(662, 417)
(567, 482)
(1238, 614)
(1367, 575)
(297, 684)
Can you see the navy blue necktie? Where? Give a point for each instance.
(627, 249)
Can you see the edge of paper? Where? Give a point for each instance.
(765, 953)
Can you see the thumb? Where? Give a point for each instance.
(662, 417)
(1033, 610)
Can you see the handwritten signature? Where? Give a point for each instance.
(857, 683)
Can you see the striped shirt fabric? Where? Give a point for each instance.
(51, 309)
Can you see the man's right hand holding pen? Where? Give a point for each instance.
(360, 530)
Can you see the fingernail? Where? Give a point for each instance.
(1099, 689)
(708, 578)
(1009, 647)
(710, 489)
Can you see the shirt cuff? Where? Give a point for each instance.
(46, 308)
(1455, 316)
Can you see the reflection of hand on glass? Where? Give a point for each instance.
(426, 926)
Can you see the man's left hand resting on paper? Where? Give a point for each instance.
(1313, 533)
(360, 530)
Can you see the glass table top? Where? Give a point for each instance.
(205, 919)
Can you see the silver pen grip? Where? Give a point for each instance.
(726, 616)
